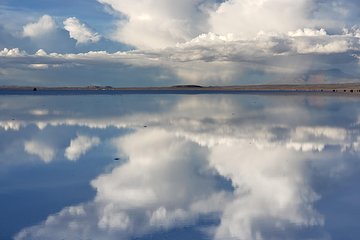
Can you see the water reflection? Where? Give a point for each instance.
(204, 166)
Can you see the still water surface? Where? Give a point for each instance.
(179, 167)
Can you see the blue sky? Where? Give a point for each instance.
(160, 42)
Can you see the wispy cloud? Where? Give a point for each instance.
(80, 32)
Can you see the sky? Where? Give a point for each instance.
(159, 42)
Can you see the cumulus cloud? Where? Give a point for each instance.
(80, 32)
(79, 146)
(150, 24)
(215, 41)
(248, 17)
(44, 26)
(15, 52)
(159, 24)
(212, 42)
(40, 149)
(212, 47)
(307, 32)
(309, 41)
(229, 56)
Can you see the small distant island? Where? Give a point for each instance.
(343, 88)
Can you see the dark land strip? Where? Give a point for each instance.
(288, 89)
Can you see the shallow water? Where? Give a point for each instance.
(179, 167)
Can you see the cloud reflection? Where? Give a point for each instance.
(79, 146)
(42, 150)
(178, 156)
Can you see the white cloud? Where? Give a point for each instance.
(224, 41)
(41, 53)
(159, 24)
(80, 32)
(38, 66)
(79, 146)
(212, 47)
(308, 32)
(212, 59)
(40, 149)
(248, 17)
(15, 52)
(39, 112)
(328, 45)
(44, 26)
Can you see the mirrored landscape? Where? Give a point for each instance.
(207, 166)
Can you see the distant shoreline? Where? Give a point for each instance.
(345, 88)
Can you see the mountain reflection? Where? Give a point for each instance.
(220, 166)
